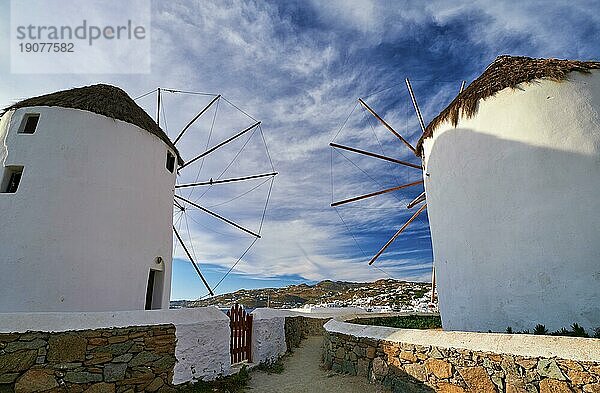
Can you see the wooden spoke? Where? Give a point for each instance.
(233, 179)
(433, 284)
(158, 107)
(221, 144)
(177, 205)
(375, 155)
(192, 261)
(386, 125)
(397, 234)
(217, 216)
(196, 118)
(358, 198)
(417, 200)
(414, 101)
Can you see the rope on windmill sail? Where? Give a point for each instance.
(240, 195)
(359, 246)
(235, 264)
(164, 114)
(236, 107)
(366, 173)
(228, 165)
(262, 219)
(248, 248)
(230, 235)
(266, 147)
(389, 164)
(351, 233)
(207, 145)
(384, 272)
(251, 244)
(331, 172)
(345, 121)
(412, 79)
(192, 247)
(183, 216)
(178, 224)
(175, 91)
(190, 237)
(145, 94)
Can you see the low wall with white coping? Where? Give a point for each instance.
(268, 335)
(433, 360)
(276, 331)
(202, 334)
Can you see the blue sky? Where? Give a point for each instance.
(299, 67)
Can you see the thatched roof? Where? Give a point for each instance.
(505, 71)
(104, 100)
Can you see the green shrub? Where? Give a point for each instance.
(276, 367)
(231, 384)
(576, 331)
(561, 332)
(540, 329)
(403, 322)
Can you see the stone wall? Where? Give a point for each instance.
(298, 328)
(100, 360)
(277, 331)
(408, 367)
(201, 334)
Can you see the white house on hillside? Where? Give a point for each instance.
(86, 197)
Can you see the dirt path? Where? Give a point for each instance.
(302, 373)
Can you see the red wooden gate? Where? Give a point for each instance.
(240, 345)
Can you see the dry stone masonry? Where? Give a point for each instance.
(298, 328)
(117, 360)
(415, 368)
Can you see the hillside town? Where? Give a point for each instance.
(386, 295)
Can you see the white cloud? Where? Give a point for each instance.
(302, 82)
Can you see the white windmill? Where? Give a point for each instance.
(87, 185)
(510, 189)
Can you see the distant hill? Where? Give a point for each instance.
(397, 295)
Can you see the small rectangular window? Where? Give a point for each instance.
(29, 123)
(11, 179)
(170, 162)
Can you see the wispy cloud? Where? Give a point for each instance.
(299, 67)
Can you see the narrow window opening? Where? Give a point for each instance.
(170, 162)
(29, 123)
(11, 179)
(154, 290)
(150, 290)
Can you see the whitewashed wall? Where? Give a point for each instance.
(202, 348)
(268, 328)
(526, 345)
(513, 207)
(91, 214)
(268, 334)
